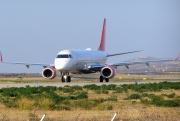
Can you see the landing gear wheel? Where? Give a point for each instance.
(68, 79)
(107, 79)
(62, 79)
(65, 77)
(101, 79)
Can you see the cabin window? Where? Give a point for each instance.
(64, 56)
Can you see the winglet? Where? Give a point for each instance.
(102, 40)
(178, 58)
(1, 59)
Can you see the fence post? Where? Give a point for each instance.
(114, 116)
(43, 117)
(3, 117)
(78, 116)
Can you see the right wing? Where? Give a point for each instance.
(26, 64)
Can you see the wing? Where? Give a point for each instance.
(99, 66)
(139, 62)
(24, 63)
(109, 55)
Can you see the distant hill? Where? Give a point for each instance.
(173, 66)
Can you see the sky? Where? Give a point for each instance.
(36, 30)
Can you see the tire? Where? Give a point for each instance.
(101, 78)
(62, 79)
(107, 79)
(68, 79)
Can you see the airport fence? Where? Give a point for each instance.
(124, 114)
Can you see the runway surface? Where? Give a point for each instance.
(60, 84)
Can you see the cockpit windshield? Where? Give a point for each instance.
(64, 56)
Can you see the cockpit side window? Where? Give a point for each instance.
(70, 56)
(64, 56)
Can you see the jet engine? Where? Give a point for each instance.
(108, 72)
(49, 73)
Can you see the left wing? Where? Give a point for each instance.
(142, 62)
(139, 62)
(109, 55)
(131, 63)
(26, 64)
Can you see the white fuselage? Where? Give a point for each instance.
(78, 60)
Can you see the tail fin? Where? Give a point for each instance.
(102, 40)
(1, 59)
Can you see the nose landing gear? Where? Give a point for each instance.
(65, 77)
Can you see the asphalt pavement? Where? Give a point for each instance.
(60, 84)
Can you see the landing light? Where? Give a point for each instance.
(89, 66)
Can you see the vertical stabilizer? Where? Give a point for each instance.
(102, 39)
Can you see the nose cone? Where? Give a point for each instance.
(64, 60)
(62, 64)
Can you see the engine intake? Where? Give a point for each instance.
(108, 72)
(49, 73)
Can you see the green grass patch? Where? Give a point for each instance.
(64, 98)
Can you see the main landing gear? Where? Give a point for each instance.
(101, 78)
(65, 77)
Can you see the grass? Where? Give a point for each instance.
(125, 112)
(24, 104)
(86, 97)
(92, 102)
(95, 107)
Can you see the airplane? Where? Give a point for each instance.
(85, 62)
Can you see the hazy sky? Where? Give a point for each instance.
(36, 30)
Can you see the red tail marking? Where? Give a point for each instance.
(1, 60)
(102, 40)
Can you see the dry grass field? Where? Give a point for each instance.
(129, 113)
(128, 110)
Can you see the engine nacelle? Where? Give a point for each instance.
(108, 72)
(49, 73)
